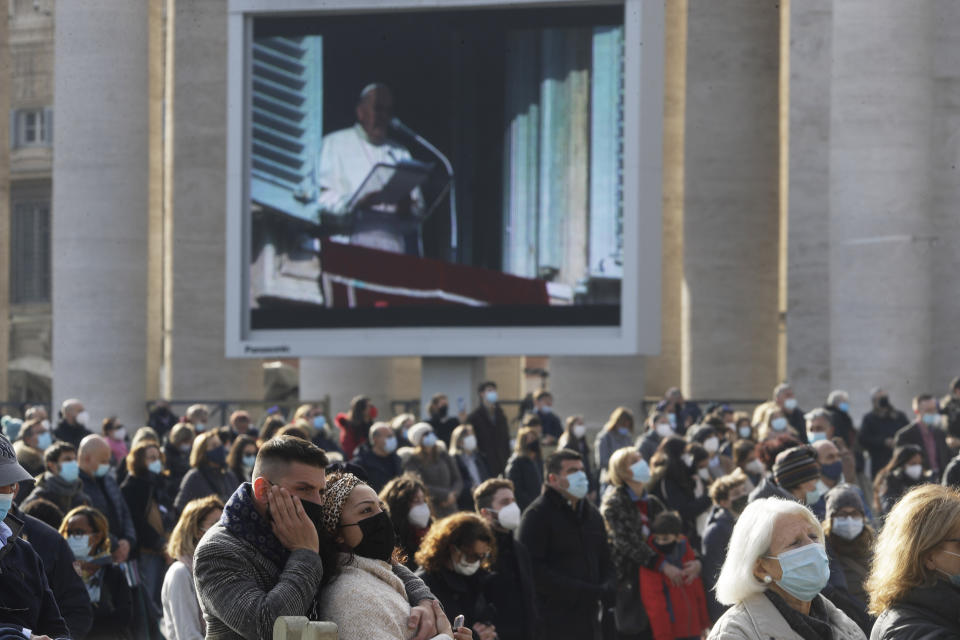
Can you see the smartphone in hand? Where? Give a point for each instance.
(458, 622)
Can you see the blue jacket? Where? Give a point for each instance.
(105, 496)
(380, 470)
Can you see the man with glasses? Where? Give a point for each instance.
(27, 604)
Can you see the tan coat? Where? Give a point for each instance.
(757, 619)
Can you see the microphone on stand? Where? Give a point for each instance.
(398, 125)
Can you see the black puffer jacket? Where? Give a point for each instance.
(926, 613)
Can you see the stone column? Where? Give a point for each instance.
(195, 366)
(730, 218)
(808, 204)
(5, 133)
(99, 236)
(881, 234)
(945, 196)
(595, 386)
(342, 378)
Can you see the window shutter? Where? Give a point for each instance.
(30, 252)
(286, 123)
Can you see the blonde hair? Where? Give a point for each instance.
(456, 438)
(98, 522)
(198, 454)
(763, 428)
(616, 417)
(921, 520)
(618, 464)
(522, 434)
(750, 540)
(722, 486)
(185, 536)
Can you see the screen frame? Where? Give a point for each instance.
(640, 317)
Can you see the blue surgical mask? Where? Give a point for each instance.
(491, 396)
(578, 484)
(102, 469)
(319, 422)
(249, 461)
(778, 424)
(69, 471)
(623, 431)
(429, 440)
(44, 440)
(844, 406)
(545, 409)
(6, 500)
(816, 436)
(847, 528)
(805, 571)
(813, 497)
(200, 427)
(640, 470)
(931, 419)
(834, 470)
(672, 417)
(80, 546)
(155, 467)
(391, 444)
(745, 432)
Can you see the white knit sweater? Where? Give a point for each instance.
(367, 602)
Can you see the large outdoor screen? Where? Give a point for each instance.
(443, 169)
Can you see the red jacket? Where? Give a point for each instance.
(674, 612)
(350, 436)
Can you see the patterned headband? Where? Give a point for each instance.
(337, 494)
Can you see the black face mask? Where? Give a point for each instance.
(315, 513)
(378, 537)
(441, 411)
(883, 402)
(666, 549)
(533, 447)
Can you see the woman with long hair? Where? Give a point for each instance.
(209, 474)
(405, 498)
(904, 471)
(455, 561)
(470, 461)
(366, 599)
(355, 425)
(182, 619)
(674, 479)
(916, 567)
(87, 532)
(525, 467)
(617, 433)
(242, 456)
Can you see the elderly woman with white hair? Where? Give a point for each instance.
(775, 567)
(436, 468)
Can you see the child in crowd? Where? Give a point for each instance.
(676, 612)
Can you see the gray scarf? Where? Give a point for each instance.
(58, 485)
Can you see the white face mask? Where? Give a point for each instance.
(664, 430)
(82, 418)
(704, 473)
(711, 444)
(466, 568)
(687, 459)
(119, 434)
(579, 431)
(509, 516)
(914, 471)
(469, 443)
(419, 515)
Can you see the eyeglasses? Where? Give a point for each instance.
(471, 557)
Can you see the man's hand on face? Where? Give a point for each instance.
(423, 618)
(290, 522)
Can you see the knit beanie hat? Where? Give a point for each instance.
(337, 493)
(417, 433)
(795, 466)
(841, 497)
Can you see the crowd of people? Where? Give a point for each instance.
(694, 522)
